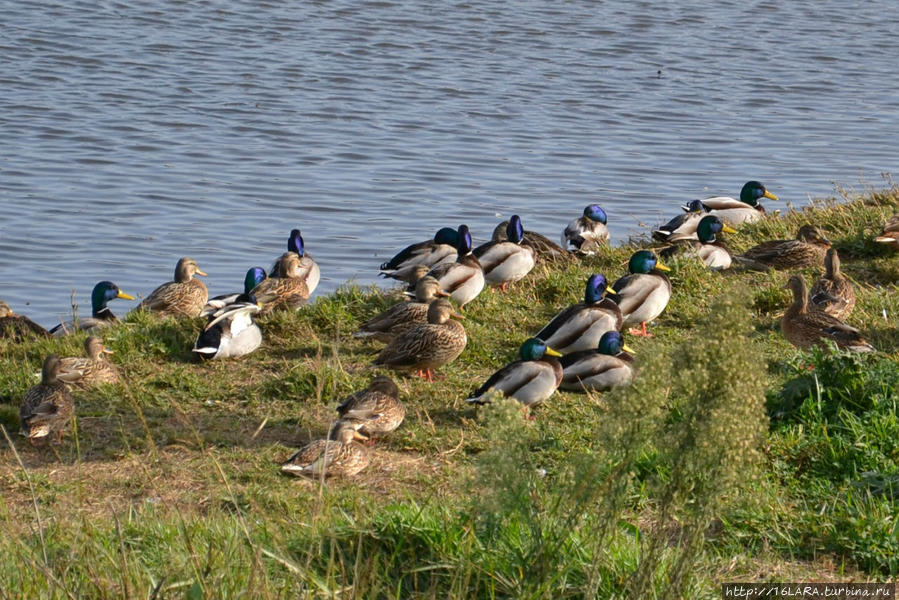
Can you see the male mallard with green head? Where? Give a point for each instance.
(588, 232)
(531, 379)
(706, 246)
(607, 366)
(507, 261)
(644, 293)
(581, 325)
(745, 210)
(101, 316)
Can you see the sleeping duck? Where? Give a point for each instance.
(430, 253)
(508, 261)
(586, 233)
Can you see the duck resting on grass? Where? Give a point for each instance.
(805, 328)
(684, 225)
(890, 233)
(747, 209)
(430, 253)
(588, 232)
(253, 277)
(101, 316)
(463, 280)
(18, 327)
(230, 331)
(531, 379)
(607, 366)
(545, 248)
(427, 346)
(287, 292)
(643, 295)
(92, 369)
(707, 248)
(581, 325)
(307, 270)
(338, 456)
(378, 407)
(386, 325)
(833, 293)
(183, 297)
(807, 250)
(508, 261)
(47, 407)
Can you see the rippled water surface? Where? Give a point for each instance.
(132, 133)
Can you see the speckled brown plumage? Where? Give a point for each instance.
(288, 292)
(805, 328)
(338, 456)
(183, 297)
(18, 327)
(427, 346)
(833, 293)
(808, 249)
(890, 233)
(47, 407)
(92, 369)
(378, 407)
(390, 323)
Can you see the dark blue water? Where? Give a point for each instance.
(132, 133)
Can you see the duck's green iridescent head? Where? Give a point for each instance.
(447, 235)
(612, 343)
(753, 191)
(695, 206)
(709, 227)
(103, 293)
(595, 213)
(535, 349)
(464, 245)
(254, 277)
(644, 261)
(514, 230)
(597, 286)
(295, 242)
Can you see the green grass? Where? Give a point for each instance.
(732, 457)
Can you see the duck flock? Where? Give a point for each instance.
(581, 348)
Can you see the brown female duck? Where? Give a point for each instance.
(808, 249)
(378, 407)
(398, 318)
(338, 456)
(18, 327)
(92, 369)
(805, 328)
(833, 293)
(47, 407)
(183, 297)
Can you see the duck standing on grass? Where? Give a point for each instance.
(430, 253)
(378, 407)
(508, 261)
(101, 316)
(307, 270)
(745, 210)
(706, 246)
(92, 369)
(807, 250)
(581, 325)
(805, 328)
(833, 293)
(643, 295)
(47, 407)
(531, 379)
(427, 346)
(463, 280)
(183, 297)
(18, 327)
(338, 456)
(607, 366)
(388, 324)
(588, 232)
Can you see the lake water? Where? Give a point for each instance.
(132, 133)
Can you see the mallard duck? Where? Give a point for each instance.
(581, 325)
(833, 293)
(463, 280)
(684, 225)
(287, 292)
(338, 456)
(18, 327)
(644, 294)
(430, 253)
(530, 380)
(707, 248)
(378, 407)
(427, 346)
(745, 210)
(805, 328)
(545, 248)
(506, 262)
(586, 233)
(808, 249)
(254, 276)
(101, 316)
(185, 296)
(230, 331)
(92, 369)
(890, 233)
(400, 317)
(308, 270)
(48, 407)
(607, 366)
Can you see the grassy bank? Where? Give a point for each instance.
(734, 456)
